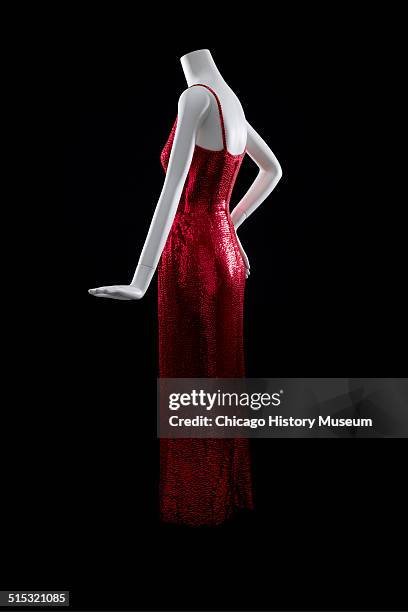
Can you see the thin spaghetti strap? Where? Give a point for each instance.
(224, 139)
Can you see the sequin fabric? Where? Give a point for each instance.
(201, 283)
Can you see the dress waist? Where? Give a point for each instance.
(203, 209)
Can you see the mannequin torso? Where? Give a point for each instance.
(199, 125)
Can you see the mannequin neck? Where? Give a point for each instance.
(199, 67)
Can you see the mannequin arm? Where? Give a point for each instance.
(193, 106)
(269, 175)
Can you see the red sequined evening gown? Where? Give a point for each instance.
(201, 281)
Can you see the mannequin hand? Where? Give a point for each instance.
(118, 292)
(244, 257)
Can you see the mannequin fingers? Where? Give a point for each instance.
(111, 296)
(117, 292)
(108, 292)
(100, 291)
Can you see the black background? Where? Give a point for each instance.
(325, 298)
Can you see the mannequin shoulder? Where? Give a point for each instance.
(195, 101)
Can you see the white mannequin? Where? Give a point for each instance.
(199, 123)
